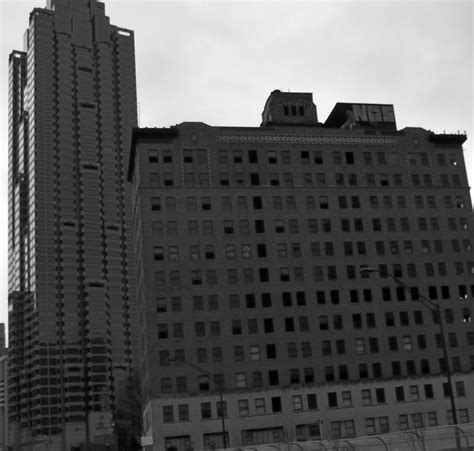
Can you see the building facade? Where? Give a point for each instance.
(249, 245)
(72, 105)
(3, 390)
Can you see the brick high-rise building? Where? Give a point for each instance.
(72, 107)
(249, 245)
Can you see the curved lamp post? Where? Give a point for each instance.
(433, 307)
(219, 385)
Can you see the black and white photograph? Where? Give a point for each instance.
(236, 225)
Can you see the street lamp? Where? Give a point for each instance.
(433, 307)
(219, 385)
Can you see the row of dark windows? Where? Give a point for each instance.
(313, 249)
(311, 202)
(289, 325)
(170, 228)
(312, 225)
(320, 273)
(299, 299)
(288, 179)
(307, 157)
(327, 373)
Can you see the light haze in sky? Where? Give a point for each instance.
(217, 62)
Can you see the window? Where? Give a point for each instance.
(297, 403)
(238, 353)
(272, 156)
(323, 322)
(353, 182)
(289, 325)
(349, 157)
(257, 379)
(414, 393)
(332, 273)
(340, 346)
(236, 327)
(306, 349)
(166, 385)
(366, 397)
(308, 375)
(318, 157)
(323, 202)
(158, 254)
(393, 343)
(373, 345)
(346, 399)
(271, 351)
(460, 389)
(164, 358)
(252, 326)
(380, 395)
(432, 419)
(260, 406)
(201, 355)
(206, 411)
(240, 380)
(277, 203)
(168, 415)
(255, 352)
(168, 179)
(374, 202)
(407, 343)
(329, 373)
(156, 203)
(268, 325)
(188, 155)
(276, 404)
(217, 355)
(357, 321)
(183, 412)
(326, 347)
(359, 346)
(332, 399)
(237, 156)
(228, 227)
(312, 401)
(370, 426)
(243, 407)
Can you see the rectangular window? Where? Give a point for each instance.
(346, 399)
(260, 406)
(332, 399)
(168, 415)
(366, 397)
(206, 411)
(243, 407)
(240, 380)
(276, 404)
(297, 403)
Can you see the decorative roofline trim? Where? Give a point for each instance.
(304, 139)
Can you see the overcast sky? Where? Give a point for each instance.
(217, 62)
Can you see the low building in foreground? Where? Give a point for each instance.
(289, 277)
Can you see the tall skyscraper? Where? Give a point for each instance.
(72, 106)
(253, 246)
